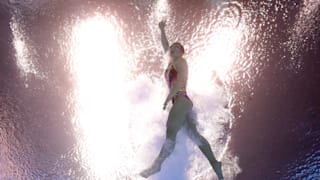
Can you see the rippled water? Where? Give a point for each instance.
(82, 88)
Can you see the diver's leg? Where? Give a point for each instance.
(166, 150)
(177, 116)
(204, 146)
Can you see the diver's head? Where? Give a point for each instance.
(176, 50)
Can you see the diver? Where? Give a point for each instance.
(180, 113)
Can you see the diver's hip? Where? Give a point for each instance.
(182, 97)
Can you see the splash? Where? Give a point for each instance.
(23, 51)
(303, 32)
(115, 112)
(160, 12)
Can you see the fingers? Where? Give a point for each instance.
(164, 106)
(162, 24)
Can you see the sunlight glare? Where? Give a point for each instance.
(218, 56)
(100, 76)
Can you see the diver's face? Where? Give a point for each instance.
(175, 51)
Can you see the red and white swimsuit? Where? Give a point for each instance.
(176, 76)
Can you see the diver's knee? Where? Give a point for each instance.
(167, 148)
(169, 143)
(197, 139)
(172, 137)
(171, 134)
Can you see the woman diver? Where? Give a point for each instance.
(180, 114)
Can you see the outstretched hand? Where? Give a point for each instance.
(162, 24)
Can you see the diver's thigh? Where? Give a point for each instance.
(176, 118)
(176, 115)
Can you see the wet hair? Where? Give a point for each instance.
(179, 45)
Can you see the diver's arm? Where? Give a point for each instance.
(164, 40)
(180, 83)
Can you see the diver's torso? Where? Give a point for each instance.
(171, 76)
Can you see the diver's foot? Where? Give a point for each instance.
(218, 170)
(152, 170)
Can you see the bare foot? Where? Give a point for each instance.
(152, 170)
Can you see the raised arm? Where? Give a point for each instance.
(164, 40)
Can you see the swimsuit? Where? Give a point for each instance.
(171, 76)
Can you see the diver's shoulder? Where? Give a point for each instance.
(180, 64)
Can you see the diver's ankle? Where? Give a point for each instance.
(217, 167)
(156, 167)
